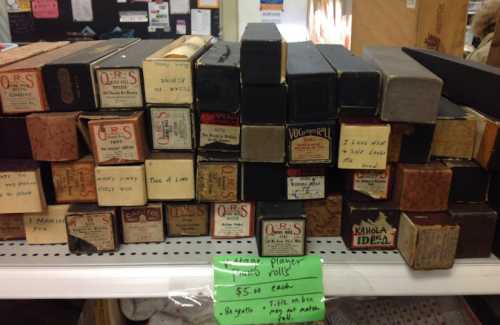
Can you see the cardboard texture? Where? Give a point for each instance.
(255, 175)
(363, 145)
(53, 136)
(477, 229)
(469, 182)
(369, 185)
(21, 84)
(168, 73)
(252, 138)
(358, 84)
(310, 143)
(29, 50)
(306, 183)
(311, 84)
(488, 153)
(14, 138)
(324, 217)
(170, 176)
(120, 78)
(217, 181)
(12, 227)
(370, 226)
(187, 219)
(74, 181)
(232, 220)
(21, 189)
(172, 128)
(48, 227)
(434, 24)
(263, 104)
(118, 138)
(420, 234)
(478, 92)
(219, 131)
(218, 78)
(143, 224)
(91, 229)
(70, 81)
(422, 188)
(410, 143)
(263, 55)
(121, 185)
(281, 229)
(410, 92)
(454, 133)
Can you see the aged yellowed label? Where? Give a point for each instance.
(12, 227)
(217, 182)
(74, 182)
(48, 227)
(94, 229)
(187, 220)
(171, 128)
(117, 141)
(363, 146)
(120, 88)
(170, 179)
(232, 220)
(306, 187)
(121, 185)
(311, 148)
(374, 234)
(375, 184)
(283, 237)
(21, 92)
(143, 224)
(212, 133)
(21, 192)
(168, 82)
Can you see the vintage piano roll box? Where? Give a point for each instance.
(410, 143)
(324, 217)
(469, 182)
(232, 220)
(172, 128)
(29, 50)
(74, 181)
(306, 183)
(310, 143)
(369, 185)
(121, 185)
(14, 138)
(217, 178)
(263, 182)
(187, 219)
(263, 104)
(219, 131)
(12, 227)
(263, 143)
(143, 224)
(48, 227)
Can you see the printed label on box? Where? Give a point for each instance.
(217, 182)
(306, 187)
(219, 134)
(372, 183)
(232, 220)
(187, 220)
(171, 128)
(115, 142)
(74, 183)
(310, 144)
(95, 230)
(142, 225)
(120, 88)
(374, 234)
(21, 92)
(283, 237)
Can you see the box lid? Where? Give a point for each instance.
(450, 110)
(184, 48)
(344, 61)
(267, 32)
(23, 52)
(431, 219)
(280, 209)
(224, 54)
(305, 59)
(471, 209)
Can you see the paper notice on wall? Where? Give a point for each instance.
(411, 4)
(45, 9)
(208, 4)
(200, 22)
(82, 10)
(134, 16)
(271, 16)
(179, 7)
(180, 27)
(159, 17)
(18, 6)
(271, 5)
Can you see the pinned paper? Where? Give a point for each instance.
(208, 4)
(45, 9)
(133, 16)
(18, 6)
(273, 5)
(257, 290)
(82, 10)
(180, 27)
(200, 22)
(179, 7)
(159, 17)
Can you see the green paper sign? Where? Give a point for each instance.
(262, 290)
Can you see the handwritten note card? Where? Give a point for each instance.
(363, 146)
(256, 290)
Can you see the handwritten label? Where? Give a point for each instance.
(256, 290)
(170, 179)
(306, 187)
(123, 185)
(48, 227)
(363, 146)
(20, 192)
(372, 234)
(168, 82)
(171, 128)
(120, 88)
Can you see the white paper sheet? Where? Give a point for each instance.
(180, 27)
(200, 22)
(208, 4)
(178, 7)
(135, 16)
(159, 16)
(82, 10)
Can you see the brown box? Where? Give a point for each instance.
(91, 229)
(48, 227)
(363, 145)
(21, 84)
(232, 220)
(12, 227)
(170, 176)
(24, 52)
(488, 152)
(187, 219)
(324, 217)
(217, 181)
(263, 143)
(422, 188)
(117, 138)
(367, 185)
(168, 73)
(21, 189)
(428, 241)
(121, 185)
(74, 181)
(143, 224)
(53, 136)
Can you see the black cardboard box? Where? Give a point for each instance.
(281, 229)
(410, 143)
(263, 182)
(119, 77)
(263, 143)
(358, 84)
(311, 84)
(310, 143)
(70, 81)
(218, 78)
(469, 182)
(263, 55)
(263, 104)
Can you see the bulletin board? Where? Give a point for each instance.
(33, 20)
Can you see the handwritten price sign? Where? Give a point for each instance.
(256, 290)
